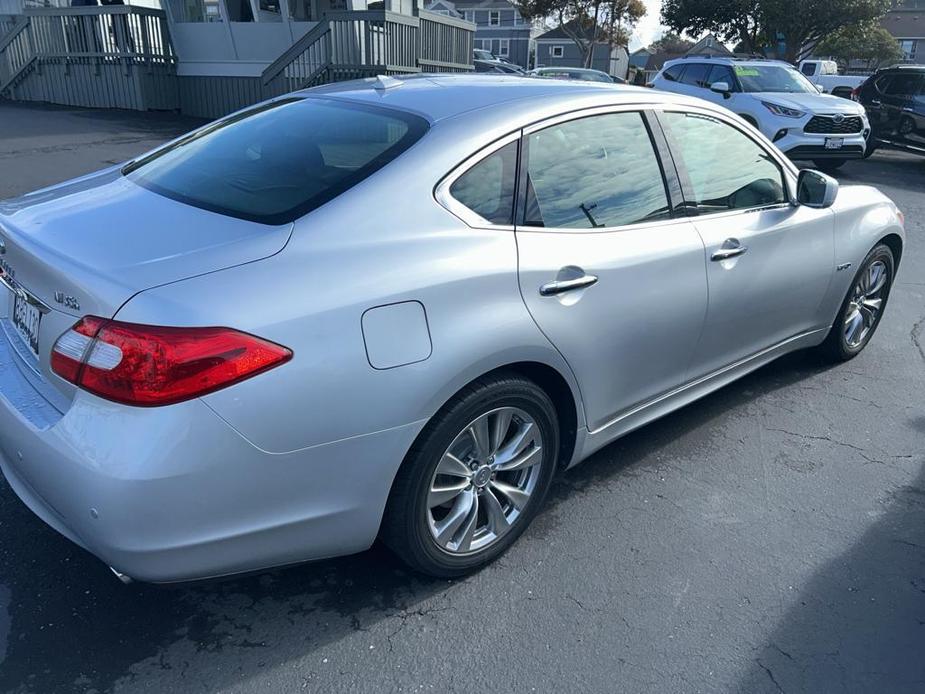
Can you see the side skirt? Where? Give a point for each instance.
(666, 403)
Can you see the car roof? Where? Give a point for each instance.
(440, 96)
(752, 62)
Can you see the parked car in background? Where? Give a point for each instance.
(406, 305)
(497, 67)
(825, 74)
(485, 61)
(779, 101)
(894, 99)
(574, 73)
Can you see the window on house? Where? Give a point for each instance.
(301, 10)
(557, 51)
(907, 46)
(469, 16)
(195, 10)
(504, 47)
(269, 11)
(488, 187)
(239, 11)
(518, 20)
(592, 172)
(494, 18)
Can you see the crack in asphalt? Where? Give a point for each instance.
(916, 334)
(770, 675)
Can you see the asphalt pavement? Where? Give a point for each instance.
(769, 538)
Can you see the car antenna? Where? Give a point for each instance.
(383, 82)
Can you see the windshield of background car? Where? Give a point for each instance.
(772, 78)
(278, 161)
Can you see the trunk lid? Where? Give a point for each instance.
(87, 246)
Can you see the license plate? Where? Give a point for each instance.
(834, 142)
(26, 319)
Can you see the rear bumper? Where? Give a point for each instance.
(174, 493)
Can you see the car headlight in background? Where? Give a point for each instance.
(778, 110)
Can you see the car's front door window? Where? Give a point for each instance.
(696, 75)
(721, 73)
(726, 169)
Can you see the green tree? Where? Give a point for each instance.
(867, 41)
(760, 24)
(670, 42)
(608, 21)
(732, 21)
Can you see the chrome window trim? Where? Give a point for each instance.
(476, 221)
(448, 202)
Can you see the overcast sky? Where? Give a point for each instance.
(648, 28)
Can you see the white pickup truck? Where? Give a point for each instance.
(825, 74)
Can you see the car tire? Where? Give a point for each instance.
(828, 164)
(841, 344)
(416, 529)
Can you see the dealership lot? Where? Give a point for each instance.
(768, 538)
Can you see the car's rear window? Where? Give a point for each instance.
(278, 161)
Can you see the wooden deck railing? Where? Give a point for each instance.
(120, 32)
(17, 54)
(446, 43)
(345, 45)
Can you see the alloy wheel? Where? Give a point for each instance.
(866, 304)
(484, 480)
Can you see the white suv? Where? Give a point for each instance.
(779, 101)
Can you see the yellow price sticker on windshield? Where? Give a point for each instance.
(746, 71)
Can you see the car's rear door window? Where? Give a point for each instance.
(904, 84)
(725, 169)
(278, 161)
(597, 171)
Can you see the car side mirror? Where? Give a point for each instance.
(819, 88)
(721, 88)
(815, 189)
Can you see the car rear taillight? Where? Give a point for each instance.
(149, 365)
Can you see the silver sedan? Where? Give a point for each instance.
(395, 308)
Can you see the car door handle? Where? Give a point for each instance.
(726, 253)
(560, 286)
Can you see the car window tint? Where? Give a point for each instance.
(727, 170)
(904, 84)
(673, 73)
(808, 69)
(488, 187)
(721, 73)
(696, 74)
(278, 161)
(599, 171)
